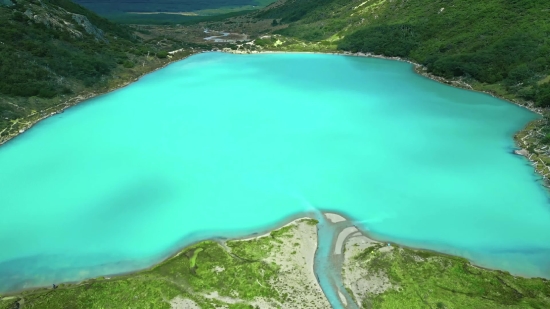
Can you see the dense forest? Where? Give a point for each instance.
(504, 43)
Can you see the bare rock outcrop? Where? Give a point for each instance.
(61, 20)
(83, 21)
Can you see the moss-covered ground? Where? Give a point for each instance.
(423, 279)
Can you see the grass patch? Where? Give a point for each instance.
(310, 221)
(193, 259)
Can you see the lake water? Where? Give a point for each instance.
(227, 145)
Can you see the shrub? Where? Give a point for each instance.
(47, 93)
(162, 54)
(128, 64)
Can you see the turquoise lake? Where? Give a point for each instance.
(228, 145)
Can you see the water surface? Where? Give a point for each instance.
(227, 145)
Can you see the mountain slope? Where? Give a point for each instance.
(46, 48)
(54, 53)
(501, 43)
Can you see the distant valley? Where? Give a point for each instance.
(131, 11)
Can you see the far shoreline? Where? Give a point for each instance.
(521, 146)
(452, 83)
(521, 150)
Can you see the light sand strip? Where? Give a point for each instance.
(342, 236)
(334, 218)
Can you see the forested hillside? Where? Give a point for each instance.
(52, 51)
(504, 44)
(45, 48)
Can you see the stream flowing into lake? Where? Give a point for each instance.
(228, 145)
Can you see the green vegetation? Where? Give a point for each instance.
(162, 54)
(41, 57)
(422, 279)
(193, 260)
(33, 57)
(259, 248)
(188, 275)
(499, 47)
(128, 64)
(235, 275)
(311, 221)
(488, 42)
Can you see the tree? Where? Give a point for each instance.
(274, 23)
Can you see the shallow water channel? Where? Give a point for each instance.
(328, 262)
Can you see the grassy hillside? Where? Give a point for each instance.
(502, 43)
(421, 279)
